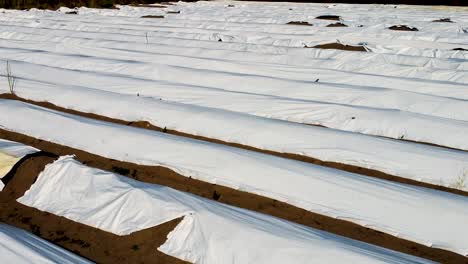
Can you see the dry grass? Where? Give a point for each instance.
(11, 78)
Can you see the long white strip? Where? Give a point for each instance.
(422, 215)
(382, 122)
(399, 158)
(210, 232)
(20, 247)
(296, 87)
(357, 62)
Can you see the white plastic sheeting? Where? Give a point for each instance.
(210, 232)
(20, 247)
(422, 215)
(16, 149)
(399, 158)
(412, 85)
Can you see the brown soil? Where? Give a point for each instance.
(86, 241)
(152, 16)
(148, 5)
(339, 46)
(300, 23)
(444, 20)
(336, 165)
(329, 17)
(403, 28)
(167, 177)
(338, 24)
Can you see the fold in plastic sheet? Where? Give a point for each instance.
(20, 247)
(210, 232)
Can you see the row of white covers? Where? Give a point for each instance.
(210, 232)
(426, 216)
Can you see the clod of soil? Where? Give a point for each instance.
(230, 6)
(152, 16)
(329, 17)
(173, 12)
(445, 20)
(339, 46)
(338, 24)
(403, 28)
(462, 49)
(72, 13)
(300, 23)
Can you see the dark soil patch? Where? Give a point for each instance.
(72, 13)
(329, 17)
(403, 28)
(462, 49)
(152, 16)
(84, 240)
(338, 24)
(444, 20)
(300, 23)
(94, 244)
(173, 12)
(339, 46)
(148, 5)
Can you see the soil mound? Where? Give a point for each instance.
(403, 28)
(300, 23)
(329, 17)
(152, 16)
(338, 24)
(339, 46)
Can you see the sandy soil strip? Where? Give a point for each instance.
(91, 243)
(336, 165)
(167, 177)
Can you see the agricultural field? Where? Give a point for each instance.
(234, 132)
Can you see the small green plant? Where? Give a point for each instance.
(11, 78)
